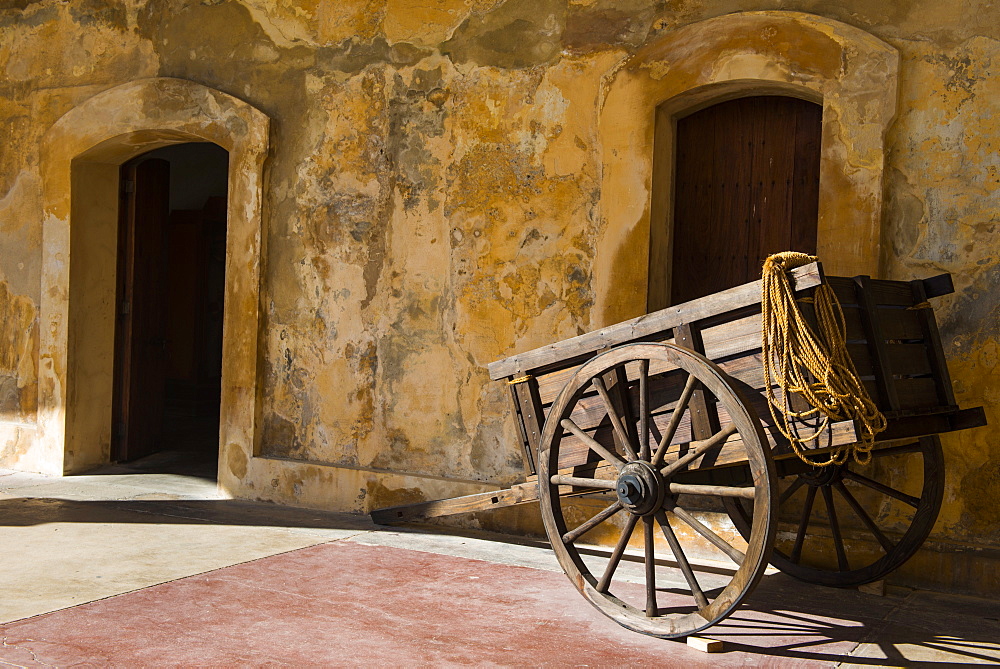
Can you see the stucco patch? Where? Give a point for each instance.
(18, 356)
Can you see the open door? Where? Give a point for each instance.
(140, 330)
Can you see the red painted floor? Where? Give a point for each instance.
(345, 603)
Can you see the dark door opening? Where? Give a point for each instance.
(746, 186)
(168, 333)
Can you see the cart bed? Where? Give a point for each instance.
(892, 339)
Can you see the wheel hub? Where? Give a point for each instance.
(640, 488)
(821, 476)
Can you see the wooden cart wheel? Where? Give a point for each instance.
(829, 498)
(641, 469)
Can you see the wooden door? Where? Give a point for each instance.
(140, 339)
(746, 185)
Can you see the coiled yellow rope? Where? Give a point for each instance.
(820, 370)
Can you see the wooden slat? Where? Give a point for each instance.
(862, 359)
(618, 392)
(531, 415)
(896, 323)
(704, 415)
(574, 453)
(886, 293)
(852, 320)
(912, 360)
(905, 359)
(731, 338)
(551, 384)
(527, 450)
(939, 285)
(899, 324)
(934, 352)
(891, 293)
(843, 288)
(917, 393)
(906, 427)
(643, 327)
(886, 398)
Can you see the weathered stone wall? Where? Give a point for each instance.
(433, 202)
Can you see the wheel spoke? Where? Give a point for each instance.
(717, 541)
(644, 409)
(800, 536)
(573, 535)
(675, 420)
(699, 448)
(838, 541)
(859, 511)
(682, 562)
(616, 555)
(785, 496)
(882, 488)
(616, 421)
(577, 482)
(651, 608)
(746, 492)
(592, 443)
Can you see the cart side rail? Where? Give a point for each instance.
(654, 324)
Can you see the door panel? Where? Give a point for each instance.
(746, 185)
(140, 335)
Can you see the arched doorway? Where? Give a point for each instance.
(746, 184)
(170, 296)
(82, 155)
(737, 55)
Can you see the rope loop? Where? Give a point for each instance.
(818, 369)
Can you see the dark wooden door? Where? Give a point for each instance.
(140, 332)
(746, 185)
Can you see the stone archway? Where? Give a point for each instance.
(850, 72)
(81, 154)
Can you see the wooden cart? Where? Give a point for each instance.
(664, 416)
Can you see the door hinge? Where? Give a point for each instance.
(126, 308)
(128, 186)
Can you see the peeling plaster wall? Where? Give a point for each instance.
(434, 203)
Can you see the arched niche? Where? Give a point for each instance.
(850, 72)
(81, 156)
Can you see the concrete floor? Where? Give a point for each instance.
(131, 567)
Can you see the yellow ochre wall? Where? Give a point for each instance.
(440, 191)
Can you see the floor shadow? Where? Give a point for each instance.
(782, 619)
(29, 511)
(789, 619)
